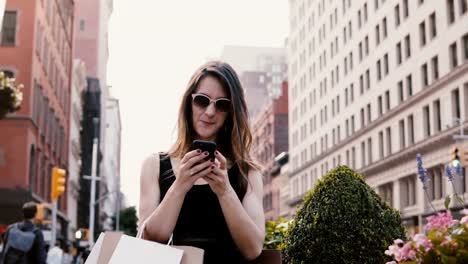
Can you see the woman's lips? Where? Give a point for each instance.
(207, 123)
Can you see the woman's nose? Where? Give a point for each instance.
(210, 109)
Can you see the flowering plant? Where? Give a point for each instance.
(10, 95)
(446, 241)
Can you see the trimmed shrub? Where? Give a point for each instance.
(342, 220)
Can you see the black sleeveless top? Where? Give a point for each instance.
(201, 221)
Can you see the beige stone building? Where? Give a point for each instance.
(373, 83)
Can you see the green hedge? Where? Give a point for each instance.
(342, 220)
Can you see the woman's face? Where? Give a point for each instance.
(207, 121)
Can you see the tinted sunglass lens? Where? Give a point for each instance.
(223, 105)
(201, 101)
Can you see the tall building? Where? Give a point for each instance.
(91, 40)
(112, 205)
(36, 48)
(261, 70)
(74, 149)
(373, 83)
(270, 139)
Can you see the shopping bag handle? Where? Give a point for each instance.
(142, 229)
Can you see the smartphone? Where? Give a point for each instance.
(204, 145)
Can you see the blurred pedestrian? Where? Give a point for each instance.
(55, 254)
(24, 242)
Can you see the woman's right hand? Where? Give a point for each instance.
(187, 173)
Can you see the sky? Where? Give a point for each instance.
(155, 46)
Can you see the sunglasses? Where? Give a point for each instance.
(203, 101)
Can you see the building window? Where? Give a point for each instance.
(408, 46)
(387, 101)
(426, 121)
(400, 92)
(397, 15)
(456, 113)
(379, 71)
(365, 12)
(368, 79)
(409, 85)
(463, 6)
(360, 51)
(369, 113)
(9, 28)
(386, 66)
(366, 45)
(433, 25)
(379, 105)
(450, 11)
(410, 130)
(389, 141)
(363, 154)
(386, 192)
(381, 145)
(408, 191)
(353, 158)
(453, 55)
(436, 185)
(405, 9)
(384, 27)
(437, 120)
(377, 35)
(424, 77)
(465, 46)
(361, 84)
(398, 53)
(369, 150)
(435, 68)
(422, 33)
(401, 124)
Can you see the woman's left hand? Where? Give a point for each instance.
(218, 179)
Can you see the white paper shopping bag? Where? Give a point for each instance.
(134, 250)
(117, 248)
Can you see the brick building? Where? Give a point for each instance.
(270, 134)
(36, 48)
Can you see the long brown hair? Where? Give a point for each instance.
(234, 139)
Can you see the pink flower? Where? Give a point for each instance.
(401, 251)
(391, 262)
(441, 221)
(422, 240)
(407, 252)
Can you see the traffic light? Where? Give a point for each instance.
(459, 157)
(455, 157)
(58, 182)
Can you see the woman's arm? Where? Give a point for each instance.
(162, 218)
(246, 221)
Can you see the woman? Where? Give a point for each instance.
(213, 204)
